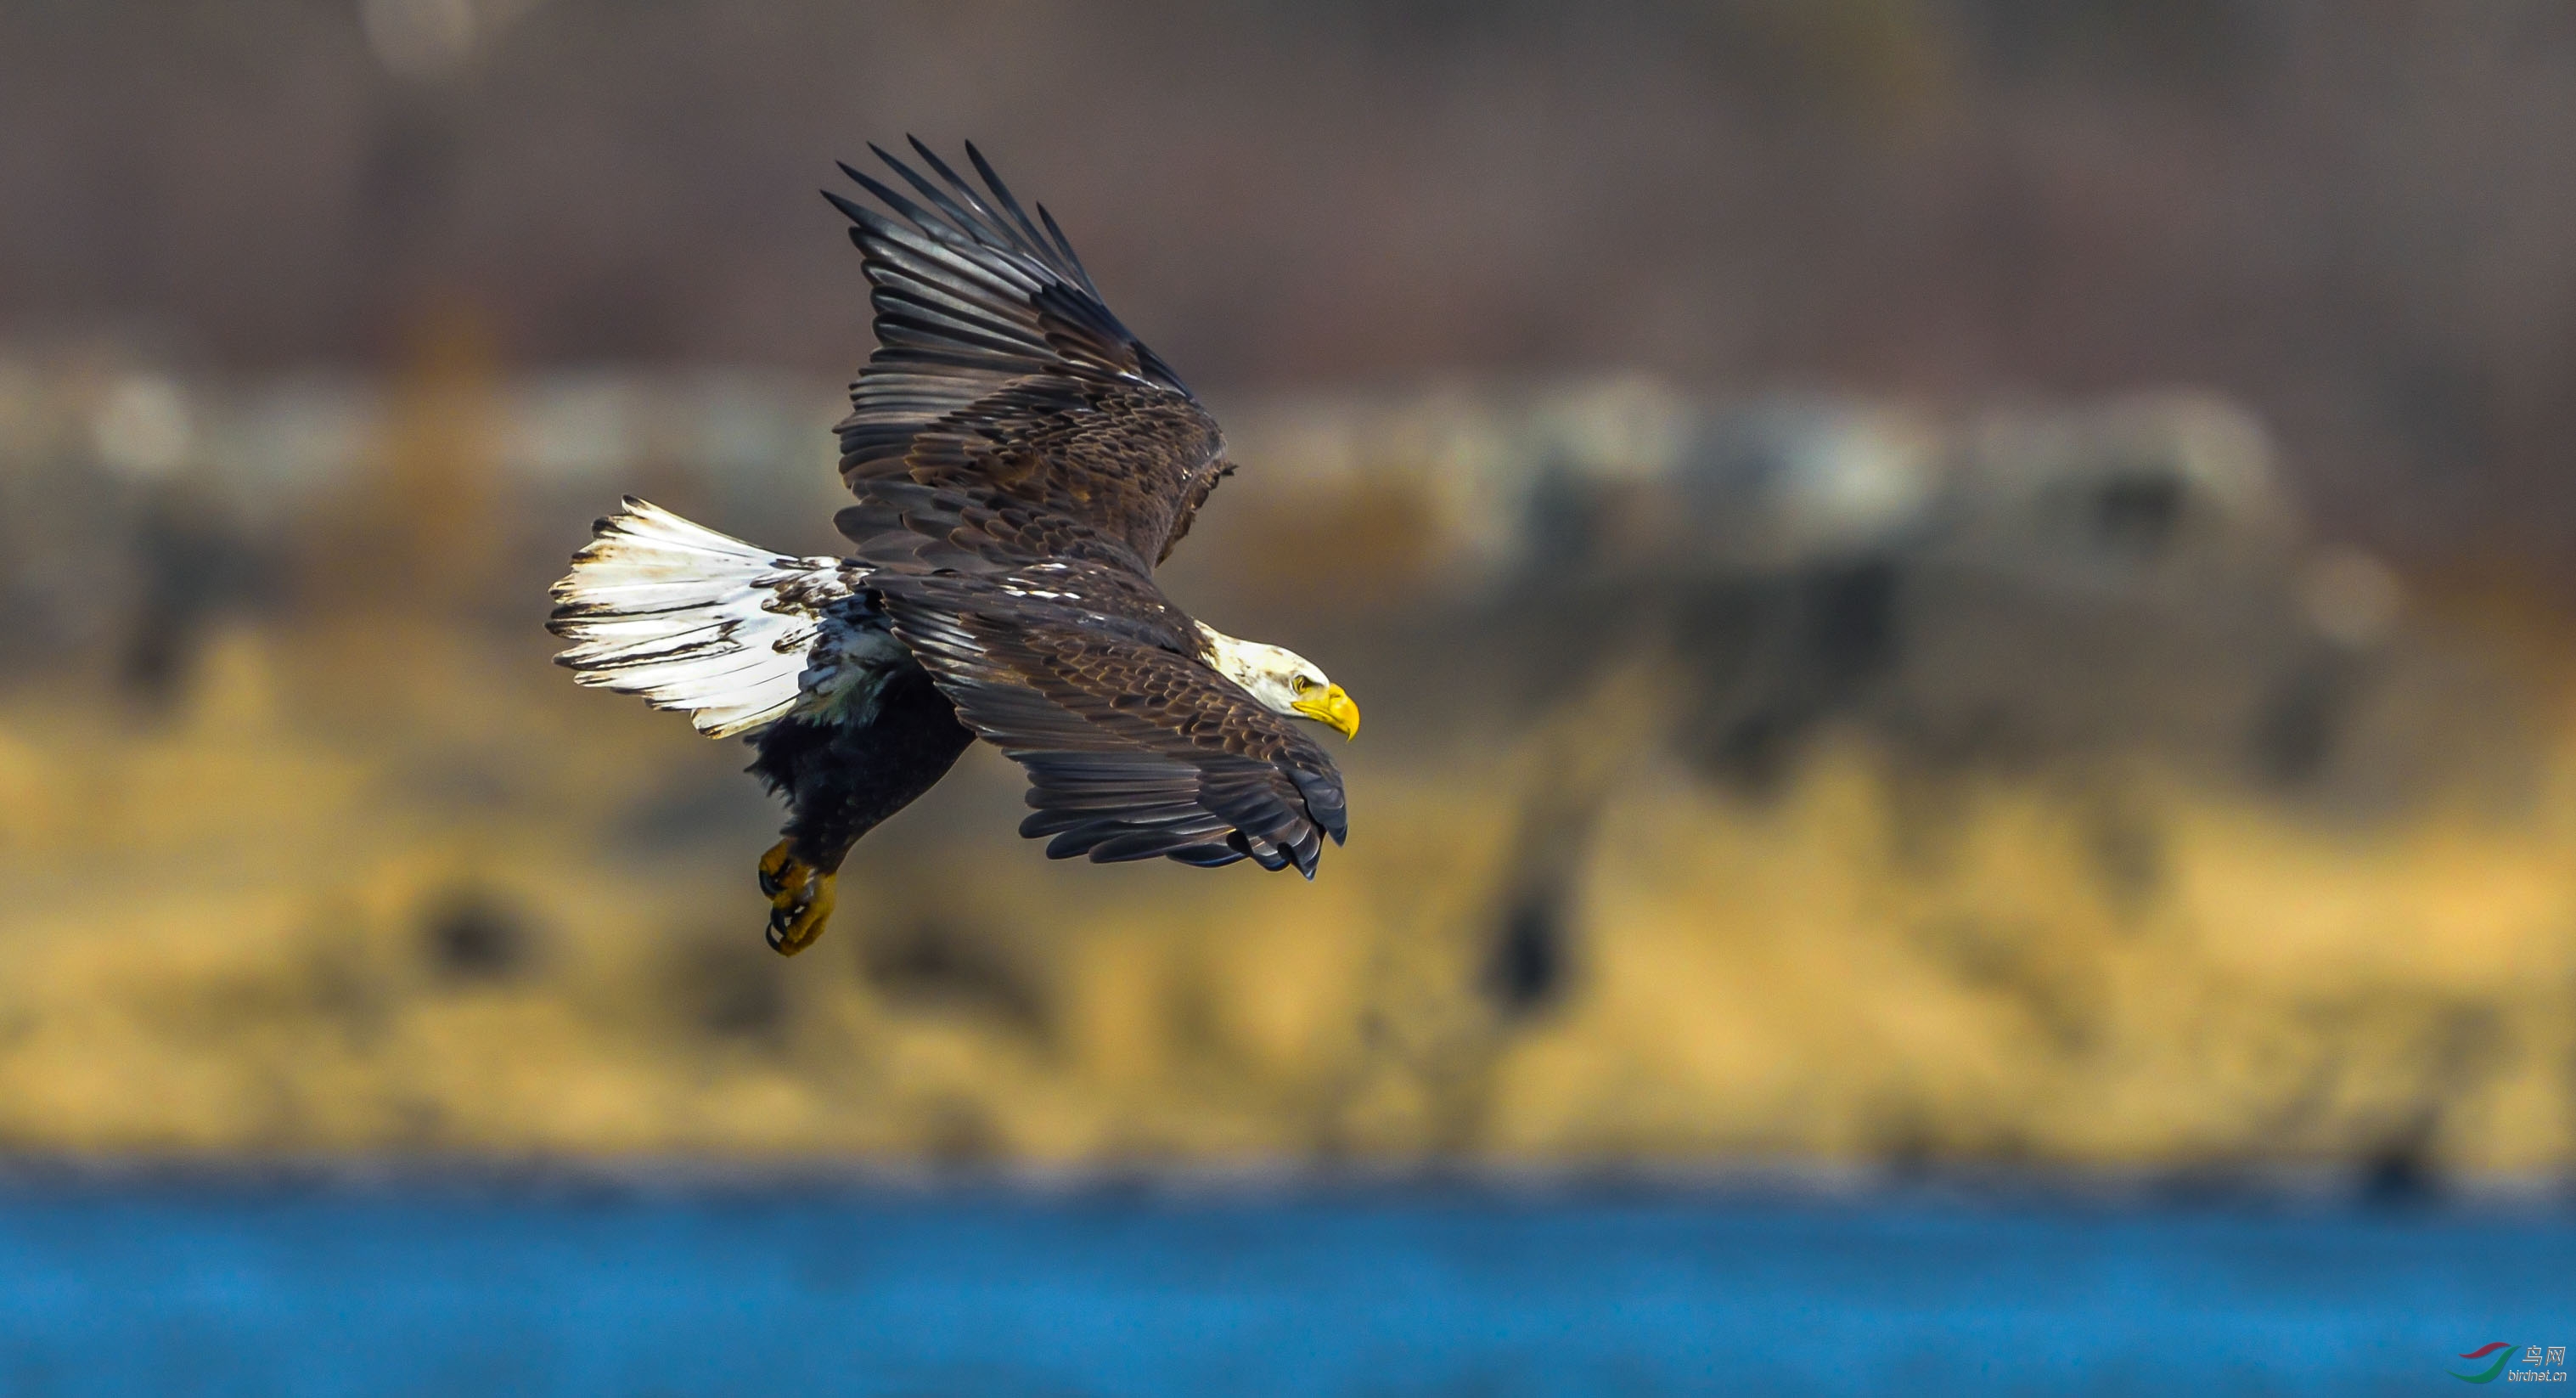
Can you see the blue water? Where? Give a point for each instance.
(425, 1290)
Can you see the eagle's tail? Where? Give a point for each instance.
(691, 619)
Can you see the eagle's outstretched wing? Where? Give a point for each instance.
(1133, 749)
(1006, 414)
(1022, 462)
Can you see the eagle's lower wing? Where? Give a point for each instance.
(1132, 751)
(1005, 411)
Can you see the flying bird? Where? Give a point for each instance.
(1022, 463)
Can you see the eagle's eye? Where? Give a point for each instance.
(1303, 684)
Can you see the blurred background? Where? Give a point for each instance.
(1940, 586)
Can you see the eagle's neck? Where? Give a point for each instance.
(1264, 671)
(1223, 653)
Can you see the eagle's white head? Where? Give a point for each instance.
(1282, 680)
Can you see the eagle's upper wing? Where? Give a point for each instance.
(1132, 750)
(1006, 413)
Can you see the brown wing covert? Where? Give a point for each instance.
(1133, 751)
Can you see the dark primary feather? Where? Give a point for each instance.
(1006, 412)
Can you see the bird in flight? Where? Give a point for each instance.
(1022, 463)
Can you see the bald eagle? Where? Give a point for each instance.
(1021, 463)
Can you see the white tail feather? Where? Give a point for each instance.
(691, 619)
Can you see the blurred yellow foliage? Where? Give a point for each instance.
(394, 889)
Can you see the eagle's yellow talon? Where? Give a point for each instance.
(800, 900)
(773, 868)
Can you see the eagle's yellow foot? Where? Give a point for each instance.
(800, 899)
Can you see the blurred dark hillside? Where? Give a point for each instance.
(2350, 215)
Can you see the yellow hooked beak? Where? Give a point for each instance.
(1333, 709)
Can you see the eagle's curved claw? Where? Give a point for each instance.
(800, 899)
